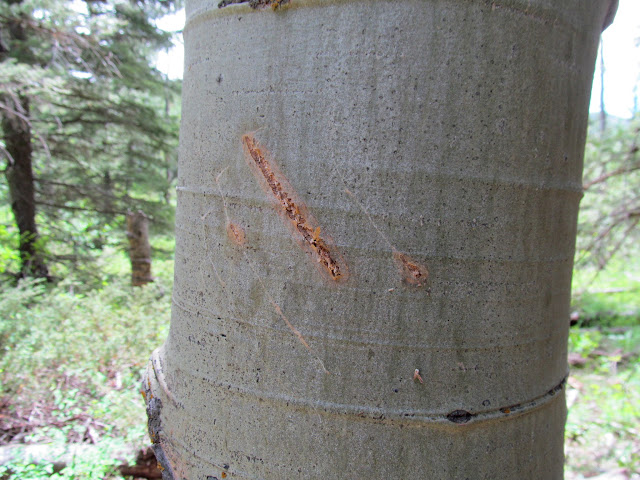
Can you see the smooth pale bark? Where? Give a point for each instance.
(435, 150)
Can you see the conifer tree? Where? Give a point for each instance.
(86, 126)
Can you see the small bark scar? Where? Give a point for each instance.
(301, 221)
(412, 272)
(236, 234)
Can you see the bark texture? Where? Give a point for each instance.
(139, 248)
(430, 153)
(19, 174)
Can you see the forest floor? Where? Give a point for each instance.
(71, 360)
(602, 436)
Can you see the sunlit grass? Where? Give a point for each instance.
(610, 297)
(603, 425)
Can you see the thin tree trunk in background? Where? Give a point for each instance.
(375, 233)
(603, 112)
(19, 174)
(139, 248)
(107, 193)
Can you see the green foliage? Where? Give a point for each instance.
(608, 297)
(610, 209)
(94, 463)
(584, 342)
(26, 470)
(602, 431)
(104, 121)
(78, 354)
(9, 258)
(622, 345)
(606, 283)
(89, 331)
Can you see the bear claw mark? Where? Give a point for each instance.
(301, 221)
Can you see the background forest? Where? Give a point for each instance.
(89, 134)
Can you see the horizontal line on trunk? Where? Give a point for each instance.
(408, 417)
(322, 336)
(568, 188)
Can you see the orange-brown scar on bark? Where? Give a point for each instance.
(236, 234)
(302, 222)
(412, 272)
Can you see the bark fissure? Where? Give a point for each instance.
(385, 415)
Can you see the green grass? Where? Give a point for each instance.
(610, 297)
(603, 425)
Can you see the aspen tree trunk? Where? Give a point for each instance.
(376, 219)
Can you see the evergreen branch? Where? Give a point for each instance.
(25, 118)
(82, 209)
(71, 43)
(10, 159)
